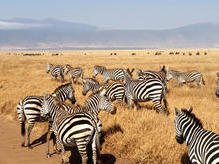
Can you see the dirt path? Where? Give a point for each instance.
(12, 153)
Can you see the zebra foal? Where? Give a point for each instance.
(114, 90)
(80, 128)
(116, 74)
(29, 108)
(74, 73)
(203, 144)
(55, 71)
(161, 75)
(186, 77)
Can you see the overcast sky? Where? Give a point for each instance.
(116, 14)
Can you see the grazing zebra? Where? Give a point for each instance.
(115, 90)
(203, 144)
(29, 109)
(142, 75)
(55, 71)
(217, 92)
(74, 73)
(186, 77)
(76, 129)
(109, 74)
(145, 90)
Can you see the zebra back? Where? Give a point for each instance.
(116, 74)
(145, 90)
(203, 144)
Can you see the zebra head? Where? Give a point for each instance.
(67, 68)
(217, 92)
(98, 70)
(90, 84)
(45, 106)
(105, 103)
(180, 122)
(65, 91)
(170, 75)
(48, 67)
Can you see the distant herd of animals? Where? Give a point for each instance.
(115, 54)
(79, 125)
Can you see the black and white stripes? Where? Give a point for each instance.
(74, 73)
(55, 71)
(77, 128)
(145, 90)
(203, 144)
(109, 74)
(186, 77)
(114, 90)
(29, 108)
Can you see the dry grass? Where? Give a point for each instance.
(142, 136)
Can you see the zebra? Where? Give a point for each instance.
(116, 74)
(70, 129)
(217, 92)
(142, 75)
(186, 77)
(203, 144)
(145, 90)
(55, 71)
(114, 90)
(74, 73)
(29, 108)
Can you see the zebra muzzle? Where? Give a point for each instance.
(114, 110)
(179, 140)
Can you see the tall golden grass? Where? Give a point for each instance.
(142, 136)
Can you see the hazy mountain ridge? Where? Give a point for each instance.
(53, 33)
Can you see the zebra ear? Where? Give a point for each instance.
(177, 111)
(103, 92)
(190, 109)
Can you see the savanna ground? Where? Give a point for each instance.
(141, 136)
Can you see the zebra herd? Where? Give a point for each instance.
(79, 126)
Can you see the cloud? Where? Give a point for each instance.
(13, 25)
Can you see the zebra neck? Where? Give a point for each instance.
(96, 87)
(91, 107)
(190, 132)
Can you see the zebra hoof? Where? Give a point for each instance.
(48, 155)
(30, 147)
(22, 145)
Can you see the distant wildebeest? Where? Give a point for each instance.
(177, 53)
(217, 92)
(183, 53)
(158, 53)
(133, 54)
(205, 53)
(190, 54)
(198, 53)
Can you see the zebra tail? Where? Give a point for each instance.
(164, 98)
(22, 118)
(203, 81)
(97, 138)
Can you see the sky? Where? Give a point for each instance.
(116, 14)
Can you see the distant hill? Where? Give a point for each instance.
(53, 33)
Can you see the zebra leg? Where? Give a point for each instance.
(157, 105)
(47, 139)
(64, 158)
(94, 149)
(30, 127)
(135, 105)
(82, 152)
(23, 133)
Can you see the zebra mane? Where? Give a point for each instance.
(91, 79)
(62, 86)
(193, 117)
(163, 69)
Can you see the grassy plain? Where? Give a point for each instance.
(142, 136)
